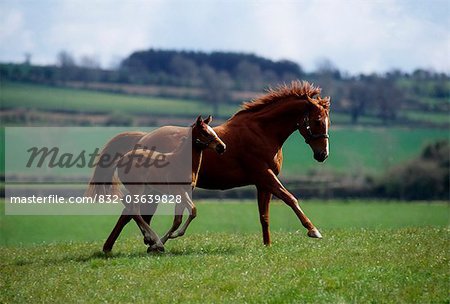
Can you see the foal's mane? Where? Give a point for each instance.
(302, 89)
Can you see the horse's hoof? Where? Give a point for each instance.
(108, 254)
(175, 235)
(155, 248)
(149, 242)
(314, 233)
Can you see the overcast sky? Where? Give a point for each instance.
(357, 35)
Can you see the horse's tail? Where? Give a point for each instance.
(104, 181)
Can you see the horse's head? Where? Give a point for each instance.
(204, 137)
(314, 125)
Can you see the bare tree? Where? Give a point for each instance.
(67, 66)
(65, 59)
(249, 75)
(185, 69)
(90, 62)
(216, 86)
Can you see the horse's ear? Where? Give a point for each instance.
(199, 120)
(208, 120)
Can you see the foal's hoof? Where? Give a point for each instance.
(314, 233)
(155, 248)
(149, 242)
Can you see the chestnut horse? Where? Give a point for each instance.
(254, 137)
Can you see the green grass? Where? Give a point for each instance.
(371, 252)
(38, 97)
(230, 217)
(401, 266)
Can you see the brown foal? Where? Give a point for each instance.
(138, 178)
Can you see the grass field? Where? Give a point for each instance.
(371, 252)
(360, 150)
(440, 118)
(46, 98)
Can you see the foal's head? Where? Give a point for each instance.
(204, 137)
(314, 125)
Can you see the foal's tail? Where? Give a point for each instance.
(104, 181)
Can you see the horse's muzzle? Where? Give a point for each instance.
(321, 156)
(221, 149)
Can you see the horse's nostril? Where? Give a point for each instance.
(321, 156)
(220, 149)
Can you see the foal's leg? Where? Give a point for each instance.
(271, 182)
(192, 214)
(264, 197)
(177, 219)
(124, 219)
(150, 237)
(149, 212)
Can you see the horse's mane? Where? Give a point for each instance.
(295, 89)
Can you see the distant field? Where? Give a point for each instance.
(440, 118)
(46, 98)
(369, 150)
(38, 97)
(364, 150)
(371, 252)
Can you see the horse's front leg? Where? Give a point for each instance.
(272, 183)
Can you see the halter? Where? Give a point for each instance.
(200, 143)
(203, 144)
(310, 135)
